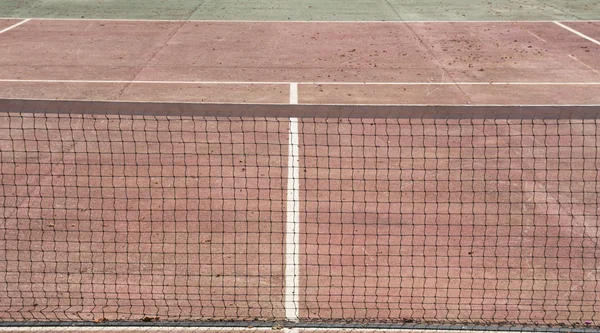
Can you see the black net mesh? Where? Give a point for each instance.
(181, 218)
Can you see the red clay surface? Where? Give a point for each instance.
(534, 52)
(381, 94)
(300, 52)
(293, 52)
(450, 94)
(156, 92)
(81, 49)
(533, 94)
(60, 91)
(228, 93)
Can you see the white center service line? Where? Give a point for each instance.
(14, 26)
(292, 244)
(580, 34)
(293, 93)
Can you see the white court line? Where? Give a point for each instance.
(428, 83)
(283, 21)
(292, 235)
(14, 26)
(107, 103)
(577, 33)
(293, 93)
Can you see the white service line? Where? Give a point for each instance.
(580, 34)
(292, 235)
(14, 26)
(287, 21)
(408, 83)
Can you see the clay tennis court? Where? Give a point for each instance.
(320, 172)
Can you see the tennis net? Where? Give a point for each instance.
(144, 212)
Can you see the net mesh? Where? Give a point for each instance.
(179, 218)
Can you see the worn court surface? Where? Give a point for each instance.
(416, 215)
(412, 63)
